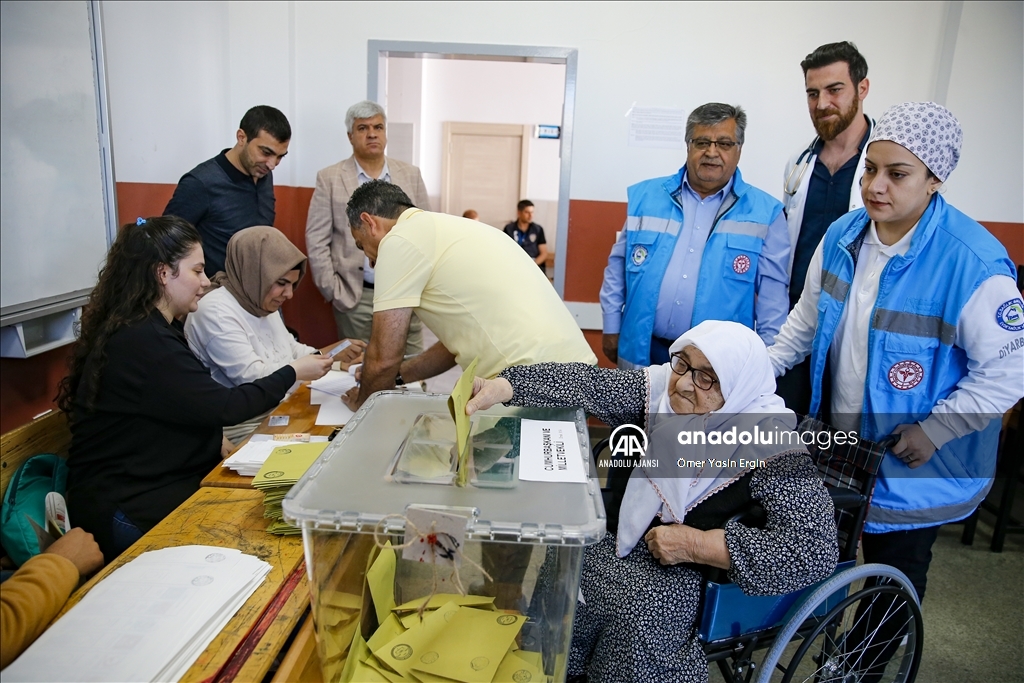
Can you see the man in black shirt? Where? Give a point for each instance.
(528, 234)
(235, 189)
(823, 181)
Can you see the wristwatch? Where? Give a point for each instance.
(399, 381)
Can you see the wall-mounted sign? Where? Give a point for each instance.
(549, 132)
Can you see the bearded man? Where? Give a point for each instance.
(822, 181)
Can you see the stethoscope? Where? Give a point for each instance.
(802, 163)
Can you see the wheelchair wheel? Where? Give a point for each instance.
(864, 625)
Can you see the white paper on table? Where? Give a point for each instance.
(334, 413)
(334, 382)
(550, 451)
(148, 620)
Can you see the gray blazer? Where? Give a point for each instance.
(334, 260)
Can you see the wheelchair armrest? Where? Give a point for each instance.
(753, 516)
(844, 498)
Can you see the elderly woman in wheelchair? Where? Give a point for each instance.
(641, 586)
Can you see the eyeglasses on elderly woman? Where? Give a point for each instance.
(701, 379)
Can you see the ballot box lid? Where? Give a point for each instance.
(350, 488)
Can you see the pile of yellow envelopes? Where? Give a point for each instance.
(458, 638)
(453, 638)
(279, 473)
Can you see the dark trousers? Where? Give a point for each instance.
(886, 622)
(795, 387)
(659, 350)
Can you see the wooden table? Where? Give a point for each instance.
(230, 518)
(303, 419)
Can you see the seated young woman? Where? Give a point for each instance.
(237, 331)
(146, 416)
(640, 586)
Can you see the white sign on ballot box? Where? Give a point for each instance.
(550, 451)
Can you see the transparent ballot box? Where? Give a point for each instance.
(414, 578)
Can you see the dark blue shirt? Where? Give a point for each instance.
(220, 200)
(828, 198)
(530, 240)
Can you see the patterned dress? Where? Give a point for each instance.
(638, 618)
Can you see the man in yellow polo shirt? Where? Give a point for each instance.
(476, 289)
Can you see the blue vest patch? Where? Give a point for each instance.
(639, 255)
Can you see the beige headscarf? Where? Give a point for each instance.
(257, 257)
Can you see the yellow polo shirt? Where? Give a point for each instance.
(477, 290)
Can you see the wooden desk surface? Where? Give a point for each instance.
(245, 649)
(303, 419)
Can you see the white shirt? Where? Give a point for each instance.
(363, 177)
(995, 366)
(237, 346)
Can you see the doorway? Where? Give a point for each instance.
(486, 124)
(485, 167)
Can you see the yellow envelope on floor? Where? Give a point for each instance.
(408, 649)
(381, 580)
(471, 646)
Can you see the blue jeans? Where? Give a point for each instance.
(123, 532)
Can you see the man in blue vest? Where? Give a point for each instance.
(698, 245)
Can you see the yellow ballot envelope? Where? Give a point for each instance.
(461, 394)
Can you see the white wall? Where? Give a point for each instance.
(986, 95)
(182, 74)
(491, 92)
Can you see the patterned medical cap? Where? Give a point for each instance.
(928, 130)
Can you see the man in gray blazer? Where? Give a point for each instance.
(340, 270)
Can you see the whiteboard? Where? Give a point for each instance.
(56, 181)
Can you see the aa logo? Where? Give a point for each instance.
(628, 441)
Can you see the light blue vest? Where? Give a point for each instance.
(912, 362)
(728, 269)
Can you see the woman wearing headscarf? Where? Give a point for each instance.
(237, 331)
(640, 588)
(145, 415)
(915, 327)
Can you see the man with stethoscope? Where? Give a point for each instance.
(822, 182)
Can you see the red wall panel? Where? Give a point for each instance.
(28, 386)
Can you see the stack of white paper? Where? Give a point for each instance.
(248, 459)
(334, 383)
(147, 621)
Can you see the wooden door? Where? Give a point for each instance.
(484, 167)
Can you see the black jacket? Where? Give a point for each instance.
(156, 429)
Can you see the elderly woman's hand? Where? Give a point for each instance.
(675, 543)
(487, 392)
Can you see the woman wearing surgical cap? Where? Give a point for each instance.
(913, 322)
(237, 331)
(640, 587)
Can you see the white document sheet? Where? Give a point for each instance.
(149, 620)
(334, 382)
(550, 451)
(333, 413)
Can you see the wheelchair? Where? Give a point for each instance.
(861, 625)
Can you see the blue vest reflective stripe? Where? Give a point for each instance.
(912, 362)
(728, 269)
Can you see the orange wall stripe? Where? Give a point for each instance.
(28, 386)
